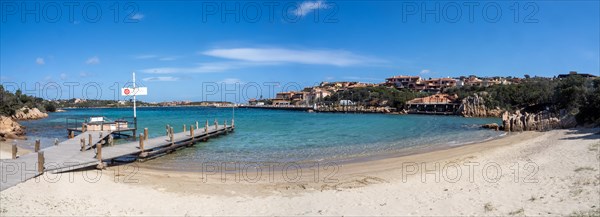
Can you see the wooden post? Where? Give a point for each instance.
(71, 134)
(192, 131)
(168, 129)
(37, 145)
(55, 141)
(99, 151)
(184, 128)
(82, 141)
(111, 140)
(90, 140)
(141, 142)
(99, 155)
(216, 124)
(206, 127)
(196, 125)
(14, 151)
(171, 135)
(41, 162)
(145, 133)
(225, 126)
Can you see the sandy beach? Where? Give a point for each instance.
(531, 173)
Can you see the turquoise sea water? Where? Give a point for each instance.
(286, 136)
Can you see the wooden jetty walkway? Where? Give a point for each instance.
(95, 148)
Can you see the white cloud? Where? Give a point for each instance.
(171, 58)
(280, 55)
(84, 74)
(146, 56)
(309, 6)
(137, 16)
(93, 60)
(40, 61)
(231, 81)
(152, 56)
(425, 71)
(165, 78)
(211, 67)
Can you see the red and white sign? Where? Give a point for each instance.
(138, 91)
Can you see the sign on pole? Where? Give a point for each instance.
(138, 91)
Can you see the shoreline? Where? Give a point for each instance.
(566, 181)
(366, 159)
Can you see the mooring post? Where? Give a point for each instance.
(141, 142)
(192, 131)
(37, 145)
(71, 134)
(55, 141)
(82, 127)
(206, 127)
(99, 155)
(168, 129)
(82, 141)
(145, 133)
(14, 151)
(90, 140)
(232, 123)
(41, 162)
(111, 140)
(184, 128)
(196, 125)
(216, 124)
(171, 135)
(225, 126)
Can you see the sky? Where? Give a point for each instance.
(236, 50)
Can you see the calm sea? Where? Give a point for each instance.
(286, 136)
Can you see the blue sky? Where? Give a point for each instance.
(181, 50)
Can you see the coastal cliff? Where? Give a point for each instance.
(10, 129)
(29, 114)
(474, 106)
(522, 121)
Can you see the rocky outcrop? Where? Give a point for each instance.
(29, 114)
(474, 106)
(541, 121)
(493, 126)
(10, 129)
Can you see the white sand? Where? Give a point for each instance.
(563, 165)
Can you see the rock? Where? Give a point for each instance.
(10, 129)
(494, 126)
(29, 114)
(544, 120)
(474, 106)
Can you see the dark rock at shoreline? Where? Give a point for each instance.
(493, 126)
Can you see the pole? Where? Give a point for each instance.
(134, 93)
(134, 108)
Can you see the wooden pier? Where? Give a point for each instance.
(95, 149)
